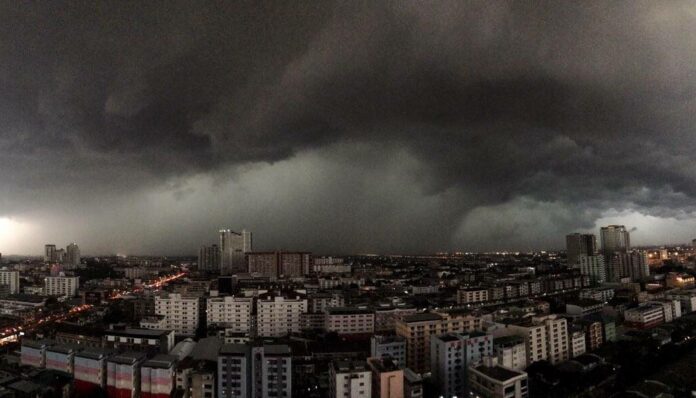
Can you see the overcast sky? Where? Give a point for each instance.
(388, 126)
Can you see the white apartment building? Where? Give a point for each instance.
(645, 316)
(687, 299)
(511, 352)
(602, 294)
(671, 308)
(63, 286)
(181, 313)
(556, 337)
(11, 279)
(472, 295)
(279, 316)
(534, 336)
(594, 266)
(451, 353)
(343, 320)
(350, 380)
(254, 372)
(495, 381)
(577, 343)
(230, 312)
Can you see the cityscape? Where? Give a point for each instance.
(348, 199)
(600, 318)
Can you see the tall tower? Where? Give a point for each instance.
(209, 258)
(72, 254)
(50, 253)
(615, 240)
(233, 247)
(578, 244)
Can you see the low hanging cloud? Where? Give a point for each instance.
(503, 111)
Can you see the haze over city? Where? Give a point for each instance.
(344, 127)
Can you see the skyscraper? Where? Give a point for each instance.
(209, 258)
(72, 256)
(50, 253)
(577, 244)
(233, 247)
(615, 239)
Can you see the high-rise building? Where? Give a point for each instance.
(577, 244)
(594, 266)
(50, 253)
(64, 286)
(633, 264)
(511, 351)
(181, 313)
(387, 378)
(556, 337)
(279, 264)
(230, 312)
(11, 279)
(209, 258)
(615, 239)
(72, 255)
(418, 329)
(254, 372)
(349, 380)
(450, 354)
(233, 247)
(278, 315)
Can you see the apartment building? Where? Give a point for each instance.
(230, 312)
(279, 315)
(349, 380)
(387, 378)
(179, 313)
(511, 351)
(345, 320)
(62, 286)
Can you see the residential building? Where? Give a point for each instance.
(495, 381)
(157, 377)
(579, 244)
(511, 351)
(594, 267)
(123, 374)
(254, 371)
(387, 378)
(349, 380)
(418, 329)
(393, 347)
(72, 254)
(10, 279)
(62, 286)
(345, 320)
(209, 258)
(278, 315)
(615, 239)
(233, 248)
(181, 313)
(230, 312)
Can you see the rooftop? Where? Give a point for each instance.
(498, 372)
(425, 317)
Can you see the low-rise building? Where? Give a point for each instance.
(349, 380)
(345, 320)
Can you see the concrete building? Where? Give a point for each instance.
(393, 347)
(279, 264)
(615, 240)
(233, 248)
(180, 313)
(50, 253)
(278, 315)
(510, 351)
(633, 265)
(254, 372)
(90, 372)
(10, 279)
(419, 328)
(413, 384)
(142, 340)
(472, 295)
(577, 343)
(209, 258)
(601, 294)
(580, 244)
(123, 374)
(450, 354)
(534, 336)
(157, 377)
(594, 267)
(495, 381)
(33, 353)
(387, 378)
(72, 254)
(645, 316)
(345, 320)
(62, 286)
(679, 280)
(61, 357)
(349, 380)
(686, 298)
(230, 312)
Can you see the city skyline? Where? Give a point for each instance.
(345, 127)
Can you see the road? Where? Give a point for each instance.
(11, 333)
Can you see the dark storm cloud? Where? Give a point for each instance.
(503, 105)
